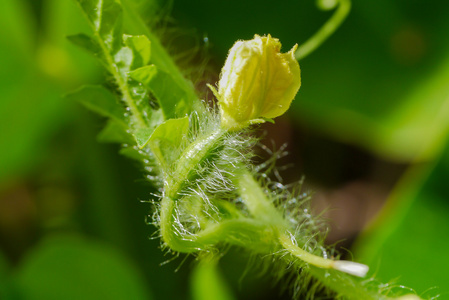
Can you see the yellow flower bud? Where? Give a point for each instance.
(257, 82)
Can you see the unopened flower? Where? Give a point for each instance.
(257, 82)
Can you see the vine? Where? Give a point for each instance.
(211, 194)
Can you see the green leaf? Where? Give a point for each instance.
(173, 100)
(105, 17)
(64, 60)
(75, 268)
(31, 110)
(101, 101)
(141, 48)
(115, 132)
(414, 218)
(90, 45)
(135, 20)
(207, 283)
(166, 140)
(123, 59)
(135, 54)
(132, 153)
(18, 25)
(408, 238)
(86, 42)
(142, 136)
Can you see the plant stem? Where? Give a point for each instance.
(189, 160)
(170, 235)
(349, 267)
(197, 152)
(262, 209)
(312, 259)
(256, 201)
(245, 232)
(256, 232)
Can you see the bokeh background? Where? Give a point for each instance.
(368, 129)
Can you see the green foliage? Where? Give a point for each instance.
(202, 168)
(416, 210)
(86, 42)
(115, 132)
(141, 48)
(208, 284)
(217, 197)
(173, 99)
(70, 267)
(41, 113)
(105, 17)
(166, 139)
(120, 55)
(101, 101)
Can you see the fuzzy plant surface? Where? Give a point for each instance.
(211, 195)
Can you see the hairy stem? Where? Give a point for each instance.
(196, 153)
(349, 267)
(321, 262)
(256, 201)
(241, 232)
(261, 208)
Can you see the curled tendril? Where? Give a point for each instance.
(344, 6)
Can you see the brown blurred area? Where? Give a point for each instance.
(348, 185)
(18, 218)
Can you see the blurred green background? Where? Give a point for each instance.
(369, 129)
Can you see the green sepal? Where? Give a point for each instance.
(260, 121)
(173, 100)
(101, 101)
(269, 120)
(166, 141)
